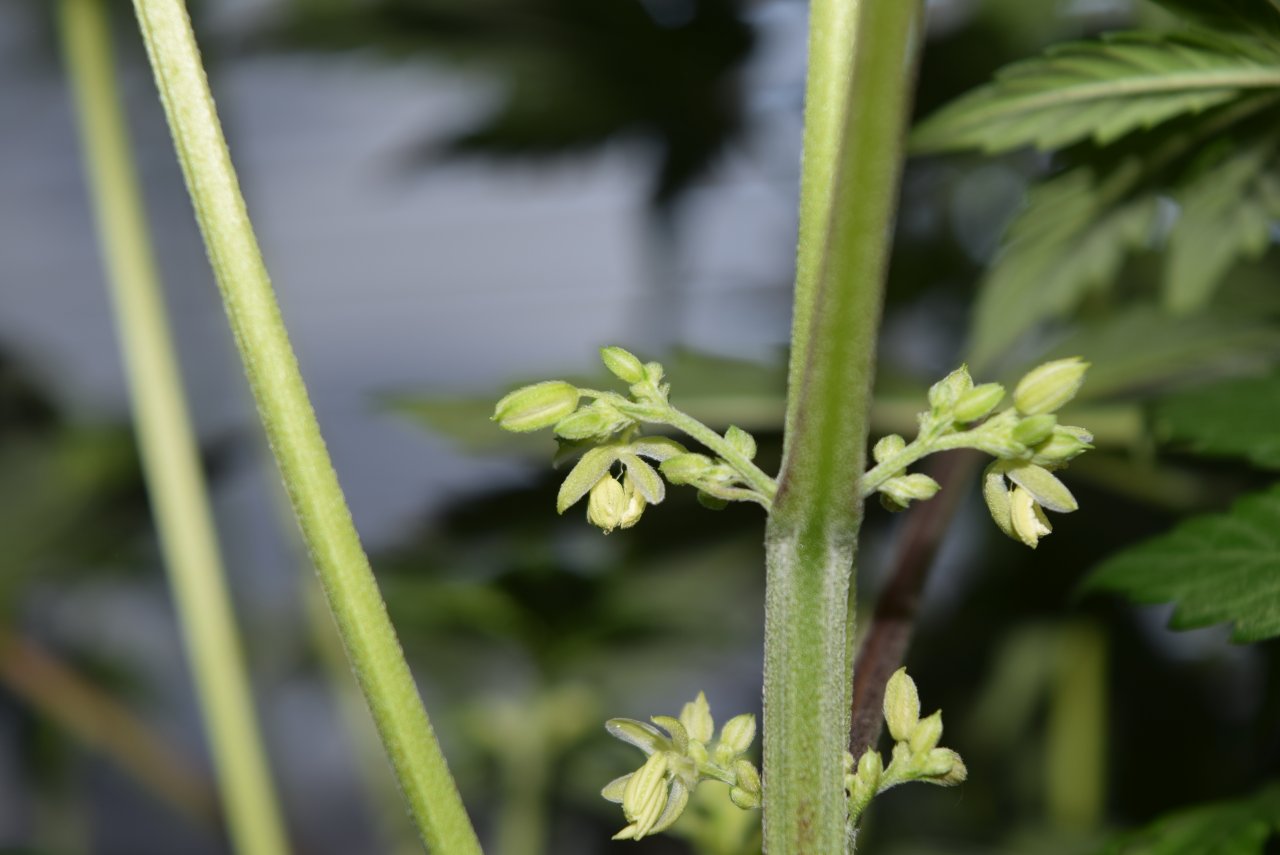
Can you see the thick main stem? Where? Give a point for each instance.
(294, 434)
(862, 61)
(166, 441)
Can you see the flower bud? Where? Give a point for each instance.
(942, 763)
(996, 493)
(606, 504)
(744, 799)
(747, 776)
(741, 441)
(870, 768)
(1034, 430)
(887, 447)
(1046, 388)
(925, 735)
(1043, 487)
(905, 489)
(978, 402)
(901, 705)
(535, 407)
(696, 718)
(622, 364)
(944, 394)
(737, 734)
(597, 420)
(687, 468)
(1029, 522)
(1066, 444)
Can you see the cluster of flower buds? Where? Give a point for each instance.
(614, 473)
(916, 755)
(1025, 438)
(654, 796)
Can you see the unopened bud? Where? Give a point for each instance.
(926, 734)
(978, 402)
(901, 705)
(535, 407)
(1034, 430)
(597, 420)
(945, 764)
(738, 733)
(744, 799)
(747, 776)
(741, 441)
(606, 504)
(1066, 443)
(905, 489)
(1046, 388)
(887, 447)
(946, 392)
(687, 468)
(622, 364)
(696, 718)
(870, 768)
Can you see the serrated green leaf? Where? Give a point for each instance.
(1101, 90)
(1239, 418)
(1240, 827)
(1216, 568)
(1071, 238)
(1226, 213)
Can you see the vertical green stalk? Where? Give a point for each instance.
(169, 454)
(862, 64)
(294, 434)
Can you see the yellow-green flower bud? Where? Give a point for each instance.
(747, 776)
(905, 489)
(687, 468)
(944, 394)
(606, 504)
(901, 705)
(1034, 430)
(927, 732)
(622, 364)
(1046, 489)
(696, 718)
(737, 734)
(978, 402)
(635, 503)
(535, 407)
(944, 764)
(1066, 443)
(996, 493)
(597, 420)
(887, 447)
(741, 441)
(870, 768)
(744, 799)
(1046, 388)
(1029, 522)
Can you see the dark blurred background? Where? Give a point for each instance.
(456, 197)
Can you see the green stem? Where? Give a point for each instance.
(169, 455)
(862, 57)
(294, 434)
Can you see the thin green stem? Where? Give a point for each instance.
(294, 434)
(169, 455)
(761, 483)
(862, 61)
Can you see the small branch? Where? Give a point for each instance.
(885, 646)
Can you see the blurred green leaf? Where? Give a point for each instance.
(1143, 349)
(1216, 568)
(574, 73)
(1101, 90)
(1240, 418)
(1241, 827)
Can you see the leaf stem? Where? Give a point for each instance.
(294, 434)
(166, 440)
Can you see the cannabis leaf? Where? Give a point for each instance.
(1239, 827)
(1233, 419)
(1217, 568)
(1101, 90)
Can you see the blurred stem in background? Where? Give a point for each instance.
(294, 435)
(862, 60)
(1076, 738)
(170, 457)
(60, 695)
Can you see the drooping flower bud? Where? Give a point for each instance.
(606, 504)
(622, 364)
